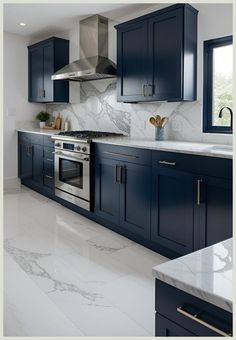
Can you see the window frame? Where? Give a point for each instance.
(209, 45)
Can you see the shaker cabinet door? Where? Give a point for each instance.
(106, 190)
(25, 161)
(215, 210)
(165, 55)
(135, 199)
(132, 60)
(35, 75)
(48, 70)
(172, 210)
(37, 157)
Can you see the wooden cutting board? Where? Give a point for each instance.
(58, 122)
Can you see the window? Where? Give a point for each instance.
(218, 85)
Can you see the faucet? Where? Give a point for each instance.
(231, 115)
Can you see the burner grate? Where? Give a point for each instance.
(87, 134)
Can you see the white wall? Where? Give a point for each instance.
(16, 108)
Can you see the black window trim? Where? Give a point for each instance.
(207, 84)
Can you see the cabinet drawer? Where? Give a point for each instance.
(165, 327)
(179, 306)
(48, 153)
(48, 180)
(123, 153)
(48, 141)
(202, 165)
(32, 138)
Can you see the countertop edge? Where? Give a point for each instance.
(40, 131)
(199, 293)
(190, 152)
(132, 144)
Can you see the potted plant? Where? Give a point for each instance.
(42, 117)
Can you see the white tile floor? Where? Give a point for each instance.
(68, 276)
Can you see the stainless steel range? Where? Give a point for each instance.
(72, 165)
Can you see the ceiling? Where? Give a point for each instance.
(46, 18)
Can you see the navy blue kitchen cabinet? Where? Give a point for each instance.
(172, 209)
(45, 58)
(132, 53)
(176, 206)
(25, 165)
(123, 188)
(157, 56)
(107, 189)
(215, 210)
(36, 162)
(173, 203)
(30, 160)
(181, 314)
(135, 198)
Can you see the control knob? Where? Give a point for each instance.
(84, 149)
(58, 145)
(78, 148)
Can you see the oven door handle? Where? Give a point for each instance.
(61, 154)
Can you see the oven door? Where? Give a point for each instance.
(72, 173)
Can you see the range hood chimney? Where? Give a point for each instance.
(93, 63)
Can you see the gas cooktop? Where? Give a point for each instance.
(87, 134)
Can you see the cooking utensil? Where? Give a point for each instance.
(158, 120)
(152, 120)
(164, 121)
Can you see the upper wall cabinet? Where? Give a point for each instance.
(157, 56)
(45, 58)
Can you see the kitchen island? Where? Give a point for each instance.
(194, 293)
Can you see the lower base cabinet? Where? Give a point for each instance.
(170, 202)
(123, 193)
(36, 162)
(215, 211)
(181, 314)
(172, 209)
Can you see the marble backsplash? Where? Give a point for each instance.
(99, 110)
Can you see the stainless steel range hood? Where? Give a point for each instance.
(93, 63)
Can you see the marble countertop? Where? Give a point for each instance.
(206, 274)
(49, 132)
(204, 149)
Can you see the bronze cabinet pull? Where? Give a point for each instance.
(167, 163)
(196, 318)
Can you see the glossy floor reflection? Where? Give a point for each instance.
(65, 275)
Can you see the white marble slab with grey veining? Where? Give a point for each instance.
(203, 149)
(206, 274)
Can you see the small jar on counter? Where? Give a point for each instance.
(66, 125)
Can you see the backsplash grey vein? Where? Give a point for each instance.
(99, 110)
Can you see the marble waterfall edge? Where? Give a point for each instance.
(206, 274)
